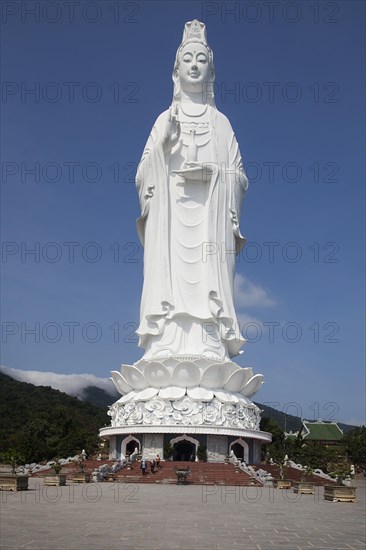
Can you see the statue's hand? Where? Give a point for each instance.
(197, 171)
(209, 167)
(171, 132)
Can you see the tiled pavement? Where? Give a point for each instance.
(167, 517)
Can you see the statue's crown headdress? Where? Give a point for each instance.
(194, 31)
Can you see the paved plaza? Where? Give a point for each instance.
(167, 517)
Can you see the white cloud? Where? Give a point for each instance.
(248, 294)
(72, 384)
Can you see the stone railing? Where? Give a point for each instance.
(316, 471)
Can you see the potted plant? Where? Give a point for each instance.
(82, 476)
(202, 453)
(305, 486)
(282, 483)
(56, 478)
(168, 451)
(340, 492)
(11, 481)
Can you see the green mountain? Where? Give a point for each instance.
(99, 397)
(286, 422)
(42, 423)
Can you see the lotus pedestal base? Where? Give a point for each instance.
(184, 402)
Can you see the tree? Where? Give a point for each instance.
(313, 455)
(168, 450)
(202, 452)
(276, 449)
(355, 443)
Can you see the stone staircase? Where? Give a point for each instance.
(202, 473)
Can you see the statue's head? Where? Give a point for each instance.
(193, 68)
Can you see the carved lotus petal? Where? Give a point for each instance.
(157, 375)
(120, 382)
(200, 394)
(203, 362)
(250, 372)
(253, 385)
(226, 396)
(128, 397)
(214, 376)
(231, 368)
(186, 375)
(134, 377)
(170, 362)
(248, 375)
(146, 394)
(172, 392)
(140, 364)
(236, 380)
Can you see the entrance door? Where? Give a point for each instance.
(184, 450)
(238, 451)
(130, 447)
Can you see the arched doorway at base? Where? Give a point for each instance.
(241, 449)
(184, 448)
(184, 451)
(131, 447)
(129, 444)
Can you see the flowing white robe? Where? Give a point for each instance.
(190, 233)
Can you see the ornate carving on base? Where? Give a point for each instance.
(185, 412)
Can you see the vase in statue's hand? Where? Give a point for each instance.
(196, 171)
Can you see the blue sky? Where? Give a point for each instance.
(292, 83)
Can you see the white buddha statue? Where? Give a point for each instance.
(191, 185)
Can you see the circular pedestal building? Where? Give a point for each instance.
(174, 406)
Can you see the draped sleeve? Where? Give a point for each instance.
(234, 175)
(149, 171)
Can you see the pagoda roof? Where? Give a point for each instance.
(321, 431)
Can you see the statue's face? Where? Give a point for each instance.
(194, 68)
